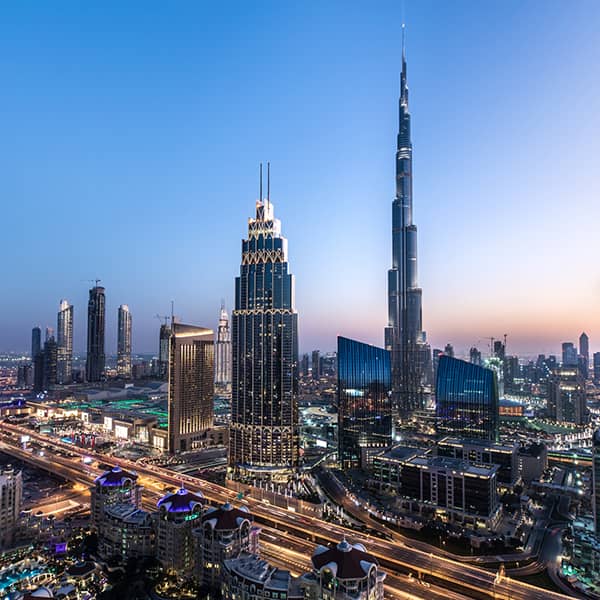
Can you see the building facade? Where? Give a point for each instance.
(567, 396)
(223, 351)
(36, 342)
(596, 481)
(124, 342)
(364, 402)
(264, 437)
(11, 496)
(164, 343)
(113, 487)
(50, 363)
(191, 386)
(64, 333)
(94, 366)
(467, 402)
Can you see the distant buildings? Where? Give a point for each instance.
(569, 355)
(596, 481)
(50, 363)
(364, 402)
(164, 342)
(11, 495)
(191, 386)
(64, 332)
(223, 352)
(475, 356)
(264, 436)
(467, 403)
(124, 342)
(304, 365)
(567, 396)
(316, 364)
(94, 368)
(596, 367)
(584, 347)
(36, 342)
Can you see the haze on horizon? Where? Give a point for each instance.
(133, 136)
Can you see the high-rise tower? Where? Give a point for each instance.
(404, 336)
(124, 342)
(64, 332)
(36, 342)
(264, 414)
(223, 351)
(94, 366)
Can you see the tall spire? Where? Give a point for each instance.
(403, 84)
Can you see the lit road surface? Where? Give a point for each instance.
(394, 557)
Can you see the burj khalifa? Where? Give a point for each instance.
(404, 335)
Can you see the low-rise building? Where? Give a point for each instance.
(532, 461)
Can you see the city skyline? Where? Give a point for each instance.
(464, 212)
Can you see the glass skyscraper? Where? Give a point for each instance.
(64, 332)
(223, 351)
(364, 402)
(124, 342)
(264, 414)
(467, 400)
(94, 366)
(404, 336)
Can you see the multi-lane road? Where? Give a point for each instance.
(396, 557)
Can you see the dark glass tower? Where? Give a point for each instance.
(404, 336)
(364, 402)
(36, 342)
(264, 414)
(467, 400)
(94, 366)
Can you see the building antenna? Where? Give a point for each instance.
(172, 314)
(269, 184)
(260, 187)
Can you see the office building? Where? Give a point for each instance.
(191, 386)
(584, 347)
(364, 402)
(36, 342)
(223, 351)
(455, 490)
(264, 437)
(124, 342)
(164, 343)
(532, 461)
(304, 365)
(179, 513)
(64, 343)
(449, 350)
(467, 403)
(596, 481)
(596, 368)
(11, 495)
(50, 363)
(316, 364)
(113, 487)
(569, 355)
(94, 368)
(225, 533)
(25, 376)
(38, 372)
(127, 532)
(480, 452)
(566, 397)
(475, 356)
(343, 571)
(404, 335)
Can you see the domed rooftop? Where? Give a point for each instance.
(226, 517)
(344, 560)
(181, 501)
(41, 592)
(116, 477)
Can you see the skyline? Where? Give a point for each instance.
(102, 150)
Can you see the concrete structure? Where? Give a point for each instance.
(532, 461)
(191, 386)
(127, 531)
(179, 514)
(223, 352)
(343, 572)
(11, 495)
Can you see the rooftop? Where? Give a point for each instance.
(116, 477)
(258, 570)
(181, 501)
(226, 517)
(344, 560)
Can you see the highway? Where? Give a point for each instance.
(395, 557)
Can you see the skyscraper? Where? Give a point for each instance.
(569, 354)
(223, 351)
(191, 386)
(65, 343)
(364, 402)
(316, 364)
(467, 402)
(94, 367)
(124, 342)
(36, 342)
(596, 367)
(164, 341)
(567, 402)
(596, 480)
(584, 347)
(404, 335)
(264, 412)
(50, 363)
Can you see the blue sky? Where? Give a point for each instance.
(132, 134)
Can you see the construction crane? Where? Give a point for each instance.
(94, 281)
(161, 317)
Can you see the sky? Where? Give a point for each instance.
(132, 134)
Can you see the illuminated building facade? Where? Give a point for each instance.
(467, 403)
(191, 386)
(64, 333)
(567, 396)
(178, 514)
(164, 343)
(94, 366)
(364, 402)
(124, 342)
(50, 362)
(404, 336)
(113, 487)
(11, 495)
(223, 351)
(596, 480)
(264, 435)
